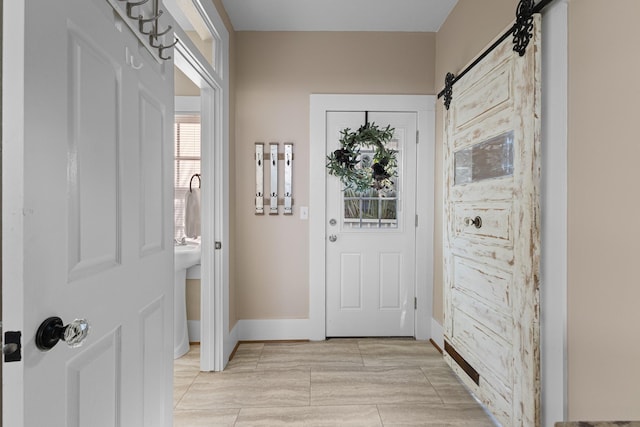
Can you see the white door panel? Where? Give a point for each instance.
(96, 233)
(371, 241)
(492, 174)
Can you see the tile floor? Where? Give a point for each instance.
(338, 382)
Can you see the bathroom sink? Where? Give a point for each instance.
(186, 256)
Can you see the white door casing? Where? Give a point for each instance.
(86, 212)
(492, 232)
(216, 342)
(424, 107)
(371, 258)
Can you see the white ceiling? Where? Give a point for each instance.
(338, 15)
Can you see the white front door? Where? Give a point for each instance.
(370, 269)
(492, 235)
(87, 226)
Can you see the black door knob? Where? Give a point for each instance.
(53, 330)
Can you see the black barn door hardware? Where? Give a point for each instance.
(521, 32)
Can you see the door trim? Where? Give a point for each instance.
(13, 71)
(553, 193)
(424, 107)
(214, 97)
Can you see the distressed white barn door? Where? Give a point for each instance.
(492, 173)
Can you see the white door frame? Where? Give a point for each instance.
(424, 107)
(214, 102)
(553, 192)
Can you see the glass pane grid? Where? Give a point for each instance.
(372, 209)
(370, 212)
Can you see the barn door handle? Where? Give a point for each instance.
(477, 221)
(53, 330)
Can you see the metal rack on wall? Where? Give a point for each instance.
(143, 18)
(274, 158)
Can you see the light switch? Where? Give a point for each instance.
(304, 212)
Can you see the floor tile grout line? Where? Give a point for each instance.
(379, 415)
(310, 385)
(175, 405)
(360, 353)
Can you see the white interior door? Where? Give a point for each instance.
(492, 235)
(370, 269)
(87, 203)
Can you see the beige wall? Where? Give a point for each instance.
(183, 86)
(469, 28)
(276, 73)
(603, 201)
(192, 290)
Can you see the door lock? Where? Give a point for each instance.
(12, 348)
(333, 238)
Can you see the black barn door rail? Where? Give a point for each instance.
(521, 32)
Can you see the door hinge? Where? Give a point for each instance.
(12, 346)
(417, 137)
(416, 220)
(415, 303)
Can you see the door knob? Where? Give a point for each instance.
(477, 221)
(53, 330)
(333, 221)
(333, 238)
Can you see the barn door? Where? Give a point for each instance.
(492, 173)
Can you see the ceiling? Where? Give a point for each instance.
(338, 15)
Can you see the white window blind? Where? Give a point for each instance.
(187, 163)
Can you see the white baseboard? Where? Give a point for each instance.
(272, 330)
(437, 333)
(230, 343)
(193, 329)
(296, 329)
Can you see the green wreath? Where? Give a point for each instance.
(361, 173)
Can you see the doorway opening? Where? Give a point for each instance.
(201, 61)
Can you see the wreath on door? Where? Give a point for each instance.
(359, 172)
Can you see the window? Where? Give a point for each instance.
(373, 209)
(187, 163)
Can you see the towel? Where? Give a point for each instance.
(192, 213)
